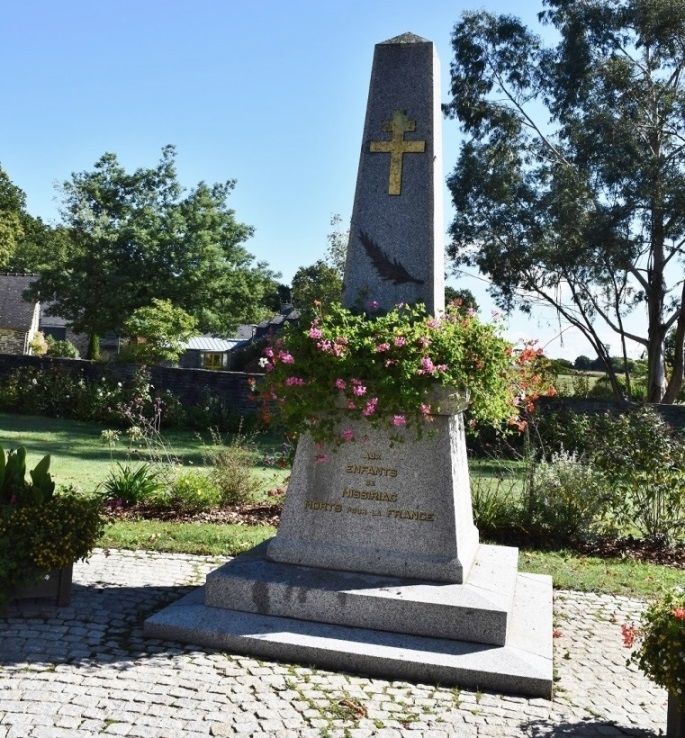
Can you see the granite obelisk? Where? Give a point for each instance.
(377, 567)
(396, 247)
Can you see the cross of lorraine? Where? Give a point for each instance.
(397, 147)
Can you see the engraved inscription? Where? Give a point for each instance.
(376, 471)
(372, 455)
(369, 494)
(411, 515)
(325, 506)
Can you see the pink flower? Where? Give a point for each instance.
(432, 323)
(269, 352)
(389, 363)
(424, 342)
(340, 384)
(427, 366)
(351, 405)
(382, 347)
(399, 420)
(370, 408)
(373, 304)
(470, 312)
(315, 333)
(359, 390)
(425, 409)
(322, 458)
(400, 341)
(293, 381)
(285, 357)
(348, 434)
(324, 346)
(441, 368)
(355, 382)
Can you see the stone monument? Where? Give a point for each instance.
(377, 567)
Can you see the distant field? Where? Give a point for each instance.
(569, 384)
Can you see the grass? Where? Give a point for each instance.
(191, 538)
(79, 457)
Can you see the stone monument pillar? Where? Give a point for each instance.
(376, 567)
(396, 248)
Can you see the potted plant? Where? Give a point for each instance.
(42, 533)
(660, 652)
(396, 369)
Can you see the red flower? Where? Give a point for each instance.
(679, 612)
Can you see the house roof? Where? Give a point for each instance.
(15, 312)
(209, 343)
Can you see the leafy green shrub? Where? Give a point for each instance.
(194, 491)
(643, 460)
(232, 470)
(131, 485)
(566, 500)
(64, 349)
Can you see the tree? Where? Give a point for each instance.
(464, 296)
(318, 282)
(138, 236)
(336, 253)
(585, 213)
(583, 363)
(157, 332)
(12, 210)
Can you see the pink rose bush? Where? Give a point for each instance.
(386, 367)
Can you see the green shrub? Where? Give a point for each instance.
(496, 502)
(194, 491)
(643, 460)
(130, 485)
(566, 499)
(64, 349)
(232, 470)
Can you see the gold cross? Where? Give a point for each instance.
(397, 146)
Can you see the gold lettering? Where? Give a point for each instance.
(427, 517)
(372, 455)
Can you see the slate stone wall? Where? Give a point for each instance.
(189, 385)
(11, 341)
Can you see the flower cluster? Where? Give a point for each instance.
(387, 368)
(661, 642)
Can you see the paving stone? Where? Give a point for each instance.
(153, 689)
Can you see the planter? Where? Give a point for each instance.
(675, 720)
(55, 587)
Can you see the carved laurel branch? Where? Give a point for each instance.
(389, 270)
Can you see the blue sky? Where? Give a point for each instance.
(269, 93)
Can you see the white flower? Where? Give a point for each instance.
(262, 362)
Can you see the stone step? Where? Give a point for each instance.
(523, 666)
(476, 611)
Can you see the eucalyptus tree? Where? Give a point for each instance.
(570, 184)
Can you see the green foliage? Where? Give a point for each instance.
(129, 485)
(162, 328)
(568, 189)
(192, 491)
(39, 538)
(643, 460)
(138, 236)
(318, 283)
(566, 500)
(61, 349)
(12, 203)
(232, 470)
(394, 369)
(38, 344)
(661, 636)
(14, 488)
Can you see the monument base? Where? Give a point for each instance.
(494, 631)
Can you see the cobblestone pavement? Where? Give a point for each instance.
(86, 670)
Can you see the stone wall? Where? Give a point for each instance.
(189, 385)
(11, 341)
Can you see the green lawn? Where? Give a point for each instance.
(80, 457)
